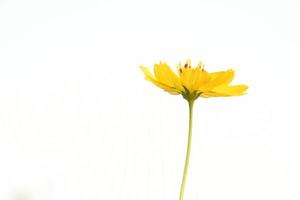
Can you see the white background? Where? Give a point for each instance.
(78, 122)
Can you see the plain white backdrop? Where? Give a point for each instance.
(77, 120)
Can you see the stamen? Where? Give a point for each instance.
(188, 63)
(201, 65)
(179, 64)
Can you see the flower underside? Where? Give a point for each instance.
(193, 82)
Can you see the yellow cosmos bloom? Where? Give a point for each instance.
(193, 82)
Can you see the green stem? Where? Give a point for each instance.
(188, 150)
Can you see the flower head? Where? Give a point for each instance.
(193, 82)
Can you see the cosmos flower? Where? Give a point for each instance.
(193, 82)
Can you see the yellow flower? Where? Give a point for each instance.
(193, 82)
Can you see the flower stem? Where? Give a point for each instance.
(188, 150)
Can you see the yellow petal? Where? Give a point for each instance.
(211, 94)
(202, 78)
(185, 77)
(152, 79)
(223, 91)
(220, 78)
(165, 75)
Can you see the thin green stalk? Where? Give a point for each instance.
(188, 150)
